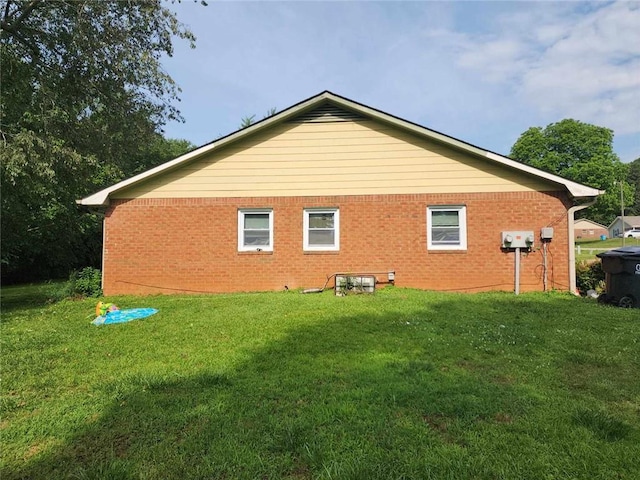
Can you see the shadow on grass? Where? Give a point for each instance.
(389, 402)
(24, 297)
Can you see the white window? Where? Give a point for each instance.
(447, 227)
(255, 230)
(321, 229)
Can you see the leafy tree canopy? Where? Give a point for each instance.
(84, 97)
(580, 152)
(634, 179)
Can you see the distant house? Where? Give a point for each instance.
(616, 228)
(588, 230)
(327, 186)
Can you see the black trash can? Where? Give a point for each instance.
(622, 276)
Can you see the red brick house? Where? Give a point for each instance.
(330, 185)
(585, 229)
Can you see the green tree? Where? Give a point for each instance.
(580, 152)
(83, 99)
(634, 179)
(250, 120)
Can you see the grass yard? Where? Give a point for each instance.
(589, 248)
(402, 384)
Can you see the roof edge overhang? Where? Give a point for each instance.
(590, 221)
(101, 198)
(576, 190)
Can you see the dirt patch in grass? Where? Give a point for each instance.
(503, 418)
(440, 424)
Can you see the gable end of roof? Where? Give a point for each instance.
(329, 107)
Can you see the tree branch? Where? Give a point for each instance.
(6, 12)
(13, 26)
(35, 58)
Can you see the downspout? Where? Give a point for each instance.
(572, 243)
(104, 249)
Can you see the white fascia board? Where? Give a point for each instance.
(577, 190)
(101, 198)
(405, 125)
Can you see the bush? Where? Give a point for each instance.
(589, 276)
(84, 283)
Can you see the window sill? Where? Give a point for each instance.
(459, 252)
(321, 252)
(255, 252)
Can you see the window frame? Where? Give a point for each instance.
(462, 226)
(336, 228)
(242, 212)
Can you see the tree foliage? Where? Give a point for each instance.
(580, 152)
(249, 120)
(84, 97)
(634, 179)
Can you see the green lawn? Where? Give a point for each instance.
(401, 384)
(589, 248)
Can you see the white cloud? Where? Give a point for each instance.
(480, 71)
(566, 62)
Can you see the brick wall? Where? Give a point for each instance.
(593, 233)
(191, 245)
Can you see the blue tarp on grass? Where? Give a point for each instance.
(122, 316)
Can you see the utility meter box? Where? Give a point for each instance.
(518, 239)
(546, 233)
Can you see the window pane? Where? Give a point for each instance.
(444, 218)
(321, 237)
(447, 227)
(444, 235)
(256, 221)
(320, 220)
(256, 237)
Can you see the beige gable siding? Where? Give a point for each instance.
(587, 224)
(335, 158)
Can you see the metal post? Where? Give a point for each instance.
(517, 274)
(622, 210)
(544, 266)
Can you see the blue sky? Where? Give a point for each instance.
(482, 72)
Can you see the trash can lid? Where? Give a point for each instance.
(623, 252)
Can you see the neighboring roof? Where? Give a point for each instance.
(575, 189)
(578, 220)
(631, 220)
